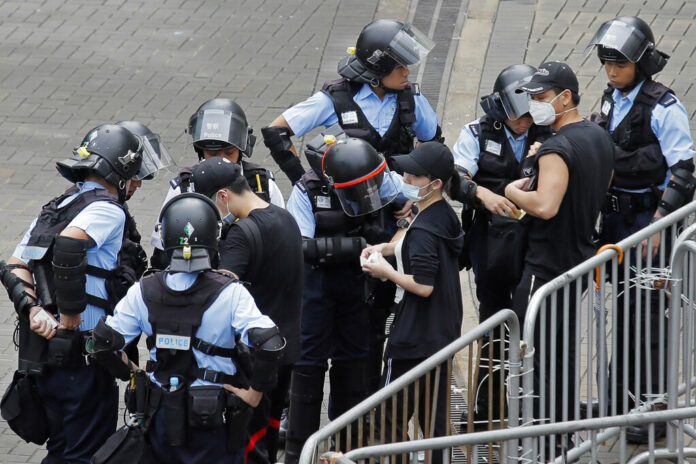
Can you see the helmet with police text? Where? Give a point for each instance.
(383, 45)
(189, 227)
(109, 151)
(628, 38)
(155, 154)
(219, 124)
(505, 103)
(359, 176)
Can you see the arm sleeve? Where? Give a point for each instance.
(235, 252)
(466, 150)
(275, 194)
(19, 250)
(316, 111)
(671, 127)
(426, 119)
(423, 256)
(246, 314)
(102, 221)
(129, 315)
(300, 206)
(559, 145)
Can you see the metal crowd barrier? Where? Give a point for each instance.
(574, 354)
(589, 427)
(374, 420)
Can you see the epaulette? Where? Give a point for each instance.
(475, 129)
(668, 99)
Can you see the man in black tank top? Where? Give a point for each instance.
(574, 171)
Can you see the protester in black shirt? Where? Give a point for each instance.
(429, 312)
(262, 245)
(574, 171)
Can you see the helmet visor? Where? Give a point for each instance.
(515, 104)
(625, 39)
(409, 46)
(155, 157)
(218, 129)
(367, 194)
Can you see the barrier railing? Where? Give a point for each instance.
(597, 331)
(385, 417)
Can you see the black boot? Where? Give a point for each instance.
(304, 414)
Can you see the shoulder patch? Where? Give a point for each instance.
(301, 185)
(175, 182)
(668, 99)
(475, 129)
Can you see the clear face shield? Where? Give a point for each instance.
(627, 40)
(367, 194)
(409, 46)
(515, 104)
(155, 157)
(219, 129)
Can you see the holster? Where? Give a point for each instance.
(206, 405)
(23, 409)
(174, 404)
(65, 350)
(32, 349)
(237, 417)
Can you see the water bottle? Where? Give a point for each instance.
(173, 384)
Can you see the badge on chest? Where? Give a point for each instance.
(323, 202)
(606, 108)
(173, 342)
(493, 147)
(349, 117)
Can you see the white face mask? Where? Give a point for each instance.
(412, 192)
(543, 113)
(229, 218)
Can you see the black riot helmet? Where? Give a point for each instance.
(219, 124)
(383, 45)
(109, 151)
(628, 38)
(189, 227)
(359, 176)
(505, 103)
(155, 154)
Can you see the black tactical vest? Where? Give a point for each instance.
(497, 165)
(131, 261)
(175, 317)
(330, 219)
(638, 159)
(399, 137)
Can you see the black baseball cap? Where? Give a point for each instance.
(213, 174)
(429, 158)
(549, 75)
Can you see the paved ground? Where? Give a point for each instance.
(68, 66)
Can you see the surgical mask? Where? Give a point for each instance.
(229, 218)
(412, 191)
(543, 113)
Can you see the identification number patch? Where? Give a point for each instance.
(606, 107)
(493, 147)
(173, 342)
(349, 117)
(323, 202)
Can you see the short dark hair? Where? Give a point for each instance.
(574, 96)
(238, 185)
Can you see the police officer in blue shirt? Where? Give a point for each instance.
(337, 207)
(60, 278)
(490, 153)
(653, 160)
(196, 320)
(372, 100)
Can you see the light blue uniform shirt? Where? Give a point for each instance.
(467, 149)
(103, 222)
(318, 110)
(669, 123)
(232, 313)
(300, 206)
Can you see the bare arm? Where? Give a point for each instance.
(545, 201)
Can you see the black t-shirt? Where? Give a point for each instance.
(430, 253)
(277, 281)
(564, 241)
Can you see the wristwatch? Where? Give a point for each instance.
(403, 223)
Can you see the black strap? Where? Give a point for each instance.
(100, 303)
(208, 375)
(209, 348)
(98, 272)
(253, 234)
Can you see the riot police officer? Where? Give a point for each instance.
(372, 100)
(490, 153)
(219, 128)
(62, 278)
(196, 320)
(653, 160)
(338, 207)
